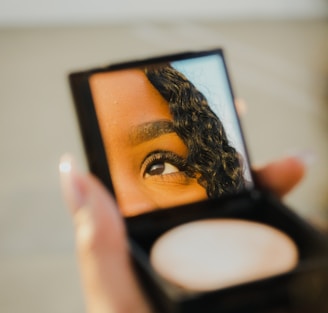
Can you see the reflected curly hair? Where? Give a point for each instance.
(211, 159)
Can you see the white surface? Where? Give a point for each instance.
(70, 12)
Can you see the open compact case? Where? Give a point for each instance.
(164, 136)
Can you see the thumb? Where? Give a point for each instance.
(107, 274)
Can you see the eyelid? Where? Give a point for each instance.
(177, 178)
(165, 156)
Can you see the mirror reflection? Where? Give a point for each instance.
(170, 133)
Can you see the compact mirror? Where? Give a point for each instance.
(163, 135)
(170, 131)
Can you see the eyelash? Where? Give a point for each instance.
(165, 157)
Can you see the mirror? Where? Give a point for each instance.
(170, 132)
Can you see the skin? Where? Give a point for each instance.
(146, 157)
(107, 275)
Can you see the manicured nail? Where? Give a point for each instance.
(71, 183)
(241, 106)
(307, 157)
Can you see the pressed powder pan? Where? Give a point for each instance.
(218, 253)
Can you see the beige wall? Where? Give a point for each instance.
(76, 12)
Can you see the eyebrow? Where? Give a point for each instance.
(150, 130)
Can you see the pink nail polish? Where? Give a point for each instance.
(307, 157)
(72, 183)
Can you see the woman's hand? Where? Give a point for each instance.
(110, 284)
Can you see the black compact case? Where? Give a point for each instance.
(302, 290)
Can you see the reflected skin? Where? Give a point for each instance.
(147, 159)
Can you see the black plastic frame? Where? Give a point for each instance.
(303, 290)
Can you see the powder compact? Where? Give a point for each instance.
(163, 135)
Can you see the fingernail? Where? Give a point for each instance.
(71, 183)
(241, 106)
(307, 157)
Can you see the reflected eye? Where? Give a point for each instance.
(161, 163)
(161, 168)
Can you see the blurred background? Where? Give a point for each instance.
(277, 53)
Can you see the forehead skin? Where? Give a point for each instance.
(124, 101)
(126, 98)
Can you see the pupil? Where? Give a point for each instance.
(157, 169)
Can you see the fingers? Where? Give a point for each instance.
(108, 278)
(109, 281)
(282, 175)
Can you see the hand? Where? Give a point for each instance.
(110, 285)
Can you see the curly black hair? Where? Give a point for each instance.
(215, 163)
